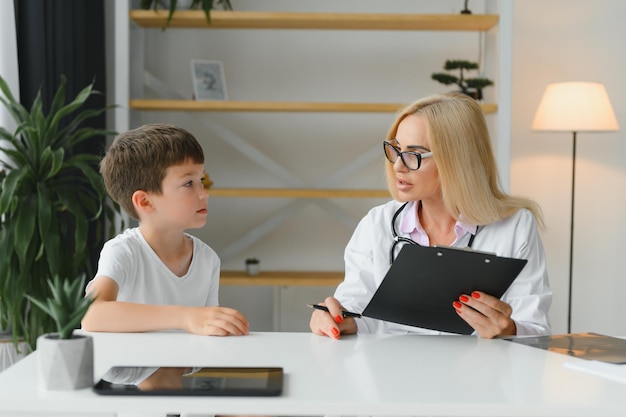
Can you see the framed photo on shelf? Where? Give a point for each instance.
(208, 80)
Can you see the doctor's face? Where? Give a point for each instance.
(422, 184)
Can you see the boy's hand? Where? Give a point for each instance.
(215, 321)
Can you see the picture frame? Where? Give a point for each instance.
(208, 79)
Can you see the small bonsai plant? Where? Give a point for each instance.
(207, 5)
(473, 87)
(65, 360)
(252, 266)
(66, 304)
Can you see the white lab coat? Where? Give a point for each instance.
(367, 261)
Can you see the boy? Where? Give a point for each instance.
(155, 276)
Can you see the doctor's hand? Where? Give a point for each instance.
(488, 315)
(331, 323)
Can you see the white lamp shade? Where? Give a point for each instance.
(575, 107)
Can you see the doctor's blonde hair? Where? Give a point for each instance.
(459, 139)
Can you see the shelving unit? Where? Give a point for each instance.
(282, 20)
(291, 21)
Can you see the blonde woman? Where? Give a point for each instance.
(442, 174)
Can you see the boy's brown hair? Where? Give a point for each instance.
(139, 158)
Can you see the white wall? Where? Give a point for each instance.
(574, 40)
(8, 63)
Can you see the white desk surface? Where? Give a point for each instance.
(364, 374)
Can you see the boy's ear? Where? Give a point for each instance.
(141, 201)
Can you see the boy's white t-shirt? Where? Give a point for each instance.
(143, 278)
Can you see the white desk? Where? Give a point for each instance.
(365, 374)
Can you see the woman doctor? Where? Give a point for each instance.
(442, 174)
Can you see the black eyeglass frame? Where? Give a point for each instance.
(400, 154)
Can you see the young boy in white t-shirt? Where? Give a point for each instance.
(156, 276)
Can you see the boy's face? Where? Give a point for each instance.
(183, 201)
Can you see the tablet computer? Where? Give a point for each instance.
(424, 281)
(198, 381)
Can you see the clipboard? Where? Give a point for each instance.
(423, 281)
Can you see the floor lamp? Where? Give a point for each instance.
(574, 107)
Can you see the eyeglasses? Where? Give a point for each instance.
(411, 160)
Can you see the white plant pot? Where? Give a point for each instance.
(9, 353)
(65, 364)
(253, 268)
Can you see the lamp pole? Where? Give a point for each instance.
(571, 240)
(574, 107)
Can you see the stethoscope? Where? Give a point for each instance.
(400, 239)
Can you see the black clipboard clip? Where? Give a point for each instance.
(466, 249)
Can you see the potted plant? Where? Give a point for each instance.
(207, 5)
(65, 359)
(50, 195)
(470, 86)
(252, 266)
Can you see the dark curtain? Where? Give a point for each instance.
(63, 37)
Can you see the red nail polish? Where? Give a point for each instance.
(457, 305)
(464, 298)
(475, 294)
(335, 331)
(338, 318)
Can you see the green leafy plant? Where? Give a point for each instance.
(207, 5)
(66, 306)
(50, 195)
(470, 86)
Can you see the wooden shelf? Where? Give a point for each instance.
(283, 278)
(272, 106)
(297, 193)
(261, 106)
(327, 21)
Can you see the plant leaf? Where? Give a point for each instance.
(9, 185)
(44, 211)
(173, 4)
(25, 224)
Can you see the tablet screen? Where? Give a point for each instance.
(213, 381)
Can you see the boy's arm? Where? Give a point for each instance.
(106, 314)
